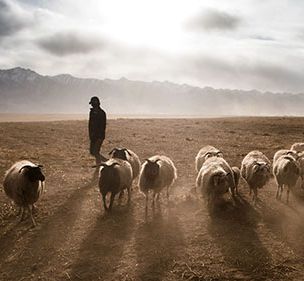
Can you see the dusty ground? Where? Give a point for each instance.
(76, 240)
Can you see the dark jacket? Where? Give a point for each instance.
(97, 123)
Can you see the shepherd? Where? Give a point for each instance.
(97, 129)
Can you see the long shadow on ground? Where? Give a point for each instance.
(41, 247)
(234, 232)
(158, 243)
(102, 249)
(286, 221)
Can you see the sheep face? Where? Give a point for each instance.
(260, 168)
(108, 174)
(151, 169)
(33, 173)
(120, 153)
(220, 182)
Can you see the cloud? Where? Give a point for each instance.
(69, 43)
(263, 38)
(212, 20)
(244, 74)
(12, 18)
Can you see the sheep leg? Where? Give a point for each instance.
(34, 209)
(111, 201)
(287, 193)
(278, 192)
(154, 197)
(129, 194)
(31, 215)
(104, 202)
(168, 193)
(121, 194)
(22, 214)
(281, 191)
(147, 199)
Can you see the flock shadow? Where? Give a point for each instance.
(45, 240)
(234, 232)
(102, 250)
(158, 242)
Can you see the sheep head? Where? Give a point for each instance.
(120, 153)
(261, 167)
(151, 169)
(220, 182)
(33, 173)
(108, 169)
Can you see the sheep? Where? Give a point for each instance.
(281, 152)
(298, 146)
(115, 175)
(128, 155)
(214, 179)
(205, 153)
(157, 172)
(255, 169)
(286, 170)
(299, 156)
(23, 183)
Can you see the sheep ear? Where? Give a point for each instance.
(114, 149)
(126, 150)
(157, 161)
(39, 165)
(99, 165)
(26, 166)
(114, 164)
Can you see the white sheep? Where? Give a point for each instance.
(204, 154)
(128, 155)
(299, 156)
(298, 146)
(281, 152)
(23, 183)
(255, 169)
(214, 180)
(286, 170)
(157, 172)
(115, 175)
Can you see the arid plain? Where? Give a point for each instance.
(75, 240)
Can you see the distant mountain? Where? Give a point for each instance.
(25, 91)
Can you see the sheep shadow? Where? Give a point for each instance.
(286, 221)
(102, 250)
(158, 242)
(43, 242)
(234, 232)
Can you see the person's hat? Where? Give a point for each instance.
(94, 100)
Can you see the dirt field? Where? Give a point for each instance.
(76, 240)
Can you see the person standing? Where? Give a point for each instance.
(97, 129)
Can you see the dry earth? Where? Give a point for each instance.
(76, 240)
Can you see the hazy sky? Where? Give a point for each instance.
(224, 44)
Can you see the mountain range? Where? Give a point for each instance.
(25, 91)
